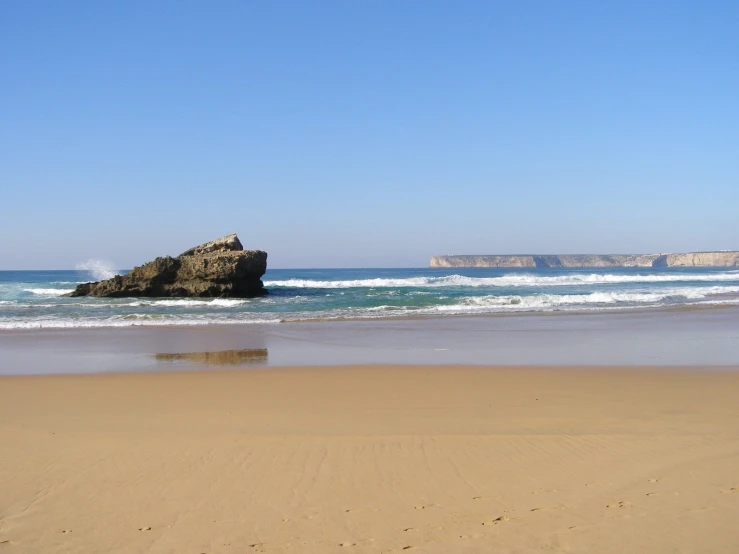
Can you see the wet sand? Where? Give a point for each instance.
(372, 459)
(688, 337)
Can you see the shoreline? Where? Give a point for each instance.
(367, 459)
(231, 371)
(646, 338)
(620, 310)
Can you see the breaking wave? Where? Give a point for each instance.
(484, 304)
(188, 302)
(515, 280)
(594, 298)
(49, 292)
(33, 300)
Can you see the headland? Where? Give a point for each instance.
(722, 258)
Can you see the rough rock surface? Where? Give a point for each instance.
(691, 259)
(702, 259)
(482, 261)
(220, 268)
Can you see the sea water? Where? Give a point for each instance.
(35, 299)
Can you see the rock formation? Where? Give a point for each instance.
(700, 259)
(692, 259)
(220, 268)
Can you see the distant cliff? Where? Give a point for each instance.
(690, 259)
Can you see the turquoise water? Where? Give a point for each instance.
(32, 299)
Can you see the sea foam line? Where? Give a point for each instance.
(517, 280)
(49, 292)
(133, 320)
(488, 304)
(556, 300)
(189, 302)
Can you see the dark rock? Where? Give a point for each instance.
(220, 268)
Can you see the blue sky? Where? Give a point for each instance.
(372, 133)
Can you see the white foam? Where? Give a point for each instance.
(474, 305)
(49, 292)
(99, 269)
(595, 299)
(133, 320)
(188, 302)
(356, 283)
(511, 280)
(497, 306)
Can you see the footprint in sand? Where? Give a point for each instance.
(732, 490)
(547, 509)
(347, 544)
(655, 480)
(651, 494)
(282, 545)
(496, 521)
(65, 531)
(409, 529)
(144, 528)
(620, 505)
(423, 507)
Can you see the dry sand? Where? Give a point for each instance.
(371, 459)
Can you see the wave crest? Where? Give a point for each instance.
(49, 292)
(516, 280)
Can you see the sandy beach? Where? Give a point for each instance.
(369, 277)
(371, 459)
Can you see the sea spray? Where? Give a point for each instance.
(99, 269)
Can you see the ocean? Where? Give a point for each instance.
(33, 299)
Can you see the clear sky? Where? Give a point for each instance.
(366, 133)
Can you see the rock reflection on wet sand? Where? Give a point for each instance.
(218, 357)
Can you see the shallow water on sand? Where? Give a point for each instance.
(682, 337)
